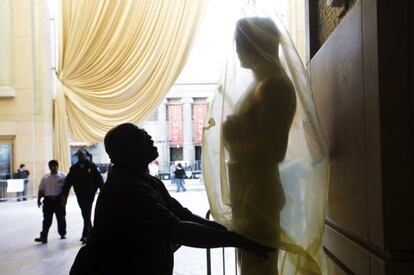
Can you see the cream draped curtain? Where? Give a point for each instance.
(117, 60)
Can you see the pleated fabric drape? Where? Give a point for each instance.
(117, 60)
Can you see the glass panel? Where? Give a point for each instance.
(5, 160)
(197, 152)
(176, 154)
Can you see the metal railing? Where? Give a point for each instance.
(208, 255)
(19, 189)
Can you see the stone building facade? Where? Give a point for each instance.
(26, 96)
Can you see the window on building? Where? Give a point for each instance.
(6, 159)
(197, 152)
(176, 154)
(197, 161)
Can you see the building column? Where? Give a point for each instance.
(164, 144)
(188, 143)
(6, 89)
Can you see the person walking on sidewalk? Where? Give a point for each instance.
(85, 179)
(49, 189)
(172, 170)
(22, 173)
(180, 175)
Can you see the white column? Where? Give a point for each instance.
(164, 145)
(188, 144)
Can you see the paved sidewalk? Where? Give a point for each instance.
(21, 223)
(190, 185)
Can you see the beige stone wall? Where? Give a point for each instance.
(5, 43)
(28, 115)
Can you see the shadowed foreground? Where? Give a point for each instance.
(21, 223)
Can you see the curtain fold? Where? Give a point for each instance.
(117, 60)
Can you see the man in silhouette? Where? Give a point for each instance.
(85, 179)
(138, 225)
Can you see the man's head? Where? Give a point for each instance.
(127, 144)
(22, 166)
(81, 154)
(53, 166)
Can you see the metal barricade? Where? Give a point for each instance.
(196, 174)
(164, 175)
(19, 189)
(3, 190)
(208, 254)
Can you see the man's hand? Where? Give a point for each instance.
(40, 195)
(260, 250)
(256, 248)
(204, 236)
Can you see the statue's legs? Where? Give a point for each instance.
(257, 199)
(250, 264)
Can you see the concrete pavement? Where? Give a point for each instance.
(20, 223)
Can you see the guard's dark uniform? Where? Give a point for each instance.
(131, 234)
(85, 180)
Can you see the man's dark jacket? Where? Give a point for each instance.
(134, 217)
(85, 181)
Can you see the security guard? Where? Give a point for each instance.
(85, 179)
(50, 189)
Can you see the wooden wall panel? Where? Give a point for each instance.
(381, 267)
(362, 79)
(372, 118)
(395, 100)
(336, 73)
(350, 254)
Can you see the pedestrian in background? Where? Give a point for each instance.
(50, 189)
(22, 173)
(172, 170)
(85, 179)
(179, 175)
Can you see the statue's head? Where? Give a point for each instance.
(129, 145)
(257, 41)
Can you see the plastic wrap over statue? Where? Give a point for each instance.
(265, 163)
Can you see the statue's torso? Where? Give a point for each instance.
(259, 126)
